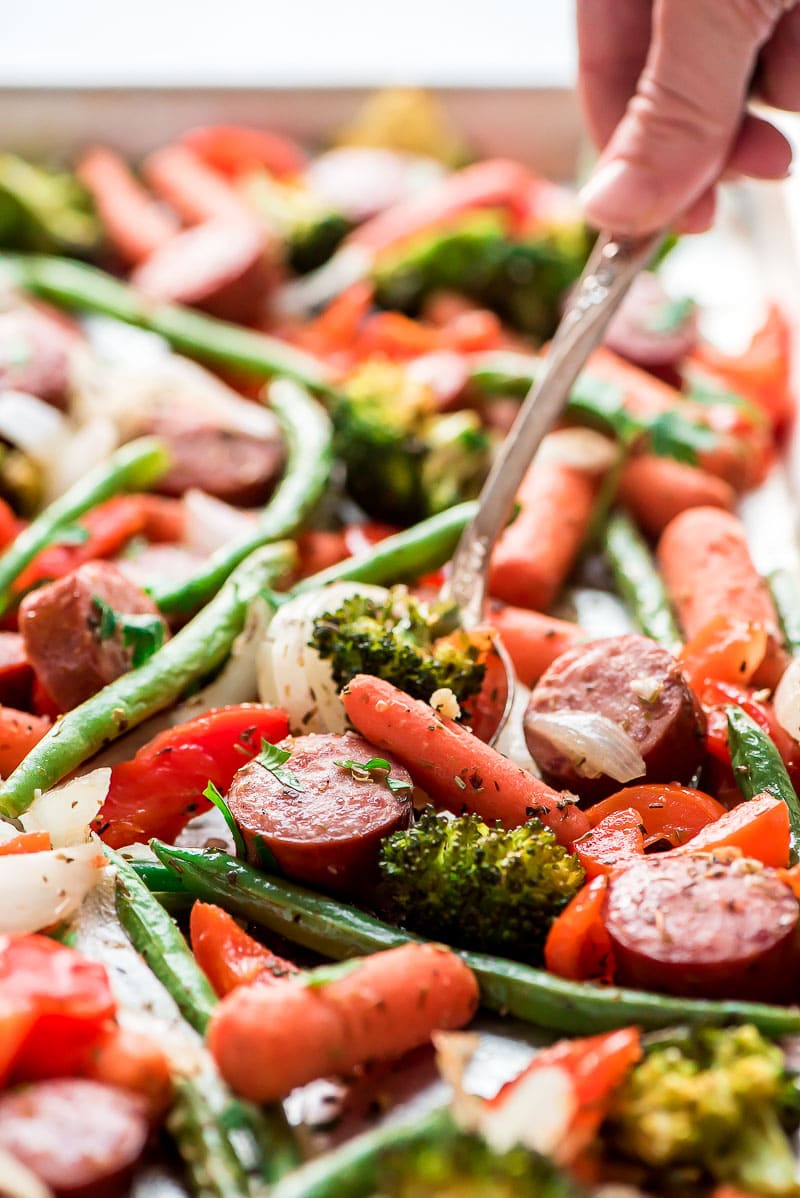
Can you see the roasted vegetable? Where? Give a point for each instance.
(42, 209)
(400, 640)
(404, 460)
(523, 281)
(479, 887)
(312, 231)
(710, 1105)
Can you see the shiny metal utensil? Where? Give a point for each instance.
(612, 267)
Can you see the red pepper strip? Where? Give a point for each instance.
(614, 842)
(758, 828)
(161, 789)
(668, 812)
(236, 149)
(725, 650)
(762, 373)
(227, 955)
(493, 183)
(578, 946)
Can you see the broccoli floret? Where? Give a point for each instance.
(399, 640)
(479, 887)
(523, 281)
(45, 210)
(405, 461)
(463, 1166)
(710, 1104)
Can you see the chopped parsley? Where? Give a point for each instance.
(142, 634)
(273, 759)
(363, 770)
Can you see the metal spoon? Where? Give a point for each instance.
(612, 267)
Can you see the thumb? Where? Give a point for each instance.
(678, 129)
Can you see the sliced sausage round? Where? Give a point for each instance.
(82, 1138)
(326, 831)
(638, 685)
(700, 925)
(220, 266)
(16, 675)
(73, 652)
(229, 464)
(35, 349)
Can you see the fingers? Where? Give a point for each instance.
(674, 140)
(778, 79)
(613, 36)
(760, 151)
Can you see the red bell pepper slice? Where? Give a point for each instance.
(762, 373)
(236, 149)
(227, 955)
(161, 788)
(725, 650)
(614, 842)
(668, 812)
(578, 946)
(19, 732)
(758, 828)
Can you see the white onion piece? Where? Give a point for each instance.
(546, 1092)
(237, 681)
(786, 700)
(582, 448)
(123, 344)
(8, 831)
(33, 425)
(79, 453)
(291, 674)
(211, 523)
(347, 266)
(40, 889)
(18, 1181)
(67, 811)
(593, 744)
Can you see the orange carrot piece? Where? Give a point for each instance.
(762, 373)
(132, 1061)
(614, 842)
(135, 223)
(536, 552)
(451, 765)
(708, 571)
(532, 639)
(26, 842)
(759, 827)
(19, 732)
(195, 191)
(578, 946)
(227, 955)
(269, 1039)
(656, 489)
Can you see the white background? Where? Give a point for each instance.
(263, 42)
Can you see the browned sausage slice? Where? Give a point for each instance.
(16, 675)
(635, 683)
(702, 925)
(35, 349)
(82, 1138)
(232, 465)
(220, 266)
(328, 834)
(62, 631)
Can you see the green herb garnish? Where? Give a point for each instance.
(273, 759)
(142, 634)
(376, 765)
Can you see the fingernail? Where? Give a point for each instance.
(623, 198)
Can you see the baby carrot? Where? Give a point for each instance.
(656, 489)
(536, 552)
(708, 570)
(451, 765)
(227, 955)
(269, 1039)
(134, 222)
(533, 640)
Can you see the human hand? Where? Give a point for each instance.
(664, 87)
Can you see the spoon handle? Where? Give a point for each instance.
(608, 274)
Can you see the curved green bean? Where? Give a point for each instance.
(75, 285)
(758, 767)
(191, 655)
(307, 431)
(337, 930)
(785, 587)
(639, 583)
(134, 467)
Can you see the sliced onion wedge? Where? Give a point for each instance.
(41, 889)
(211, 523)
(594, 745)
(581, 448)
(292, 674)
(786, 700)
(18, 1180)
(67, 811)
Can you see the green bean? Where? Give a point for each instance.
(134, 467)
(758, 767)
(307, 431)
(193, 653)
(271, 1147)
(75, 285)
(423, 547)
(785, 587)
(157, 938)
(639, 583)
(336, 930)
(200, 1136)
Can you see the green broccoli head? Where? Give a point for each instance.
(480, 887)
(404, 460)
(458, 1165)
(710, 1104)
(401, 641)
